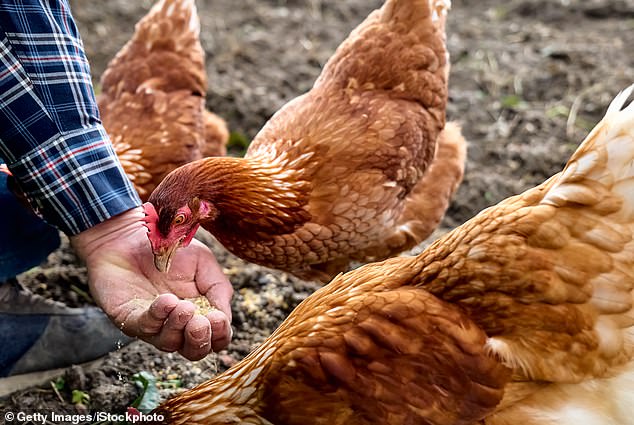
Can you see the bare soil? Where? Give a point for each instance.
(529, 79)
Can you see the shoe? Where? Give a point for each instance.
(37, 334)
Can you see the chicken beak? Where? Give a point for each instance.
(163, 258)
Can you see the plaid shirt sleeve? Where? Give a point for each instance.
(51, 137)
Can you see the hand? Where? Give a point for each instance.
(148, 304)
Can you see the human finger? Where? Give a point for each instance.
(171, 336)
(197, 336)
(150, 321)
(221, 331)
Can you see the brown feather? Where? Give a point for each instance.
(152, 102)
(359, 351)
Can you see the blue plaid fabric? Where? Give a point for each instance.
(51, 137)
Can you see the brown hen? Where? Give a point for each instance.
(523, 315)
(337, 174)
(153, 97)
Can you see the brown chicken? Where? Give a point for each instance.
(523, 315)
(152, 102)
(359, 168)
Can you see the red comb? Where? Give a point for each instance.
(151, 217)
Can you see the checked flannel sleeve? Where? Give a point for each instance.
(51, 137)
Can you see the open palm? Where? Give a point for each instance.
(151, 305)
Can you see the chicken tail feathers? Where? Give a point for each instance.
(605, 156)
(399, 48)
(416, 11)
(171, 20)
(165, 50)
(618, 121)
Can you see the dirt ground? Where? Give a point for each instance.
(529, 78)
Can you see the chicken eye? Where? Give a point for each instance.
(179, 219)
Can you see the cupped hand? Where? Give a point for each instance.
(151, 305)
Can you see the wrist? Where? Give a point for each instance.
(114, 228)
